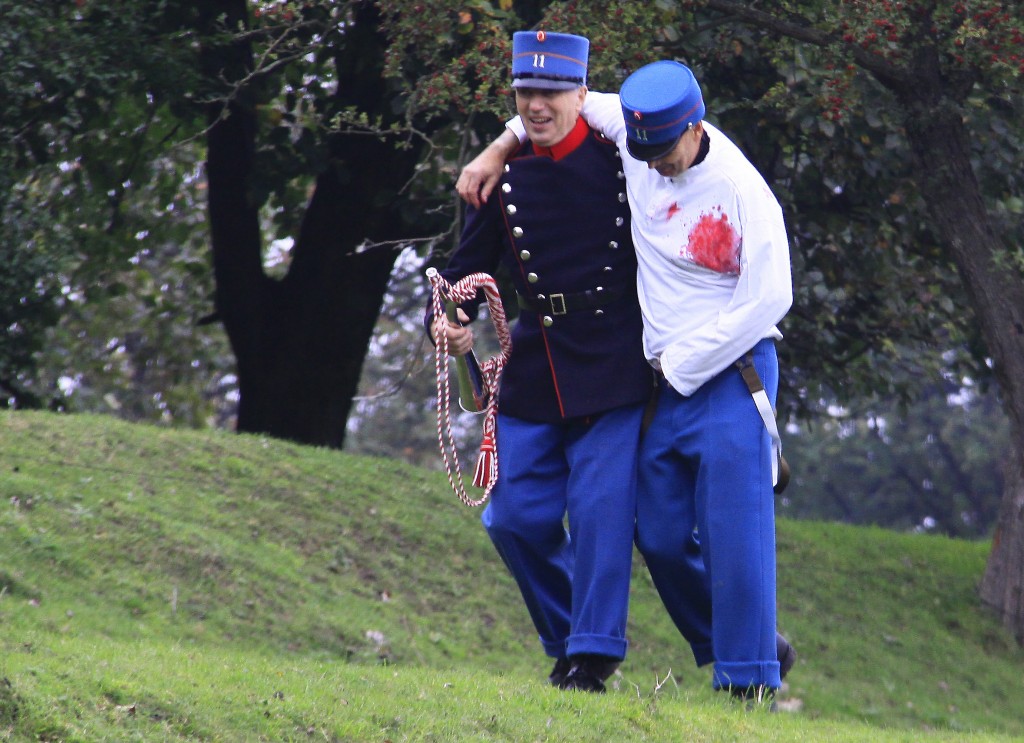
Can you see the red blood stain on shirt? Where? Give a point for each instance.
(715, 244)
(673, 210)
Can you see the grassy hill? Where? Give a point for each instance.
(171, 585)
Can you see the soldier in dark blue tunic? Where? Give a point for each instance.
(573, 392)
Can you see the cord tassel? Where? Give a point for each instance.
(486, 463)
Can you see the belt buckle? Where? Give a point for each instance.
(558, 304)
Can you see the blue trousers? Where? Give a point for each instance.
(706, 520)
(575, 581)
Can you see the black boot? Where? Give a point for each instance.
(786, 654)
(755, 696)
(559, 672)
(589, 672)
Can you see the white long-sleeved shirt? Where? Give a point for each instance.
(712, 252)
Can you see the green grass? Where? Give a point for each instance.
(171, 585)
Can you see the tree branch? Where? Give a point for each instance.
(802, 29)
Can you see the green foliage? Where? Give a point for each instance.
(28, 290)
(449, 60)
(985, 36)
(292, 86)
(134, 284)
(936, 465)
(623, 35)
(83, 70)
(84, 112)
(64, 74)
(874, 292)
(172, 585)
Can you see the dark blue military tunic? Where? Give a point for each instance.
(560, 224)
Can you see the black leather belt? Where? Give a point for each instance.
(561, 304)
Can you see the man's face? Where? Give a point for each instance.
(549, 115)
(682, 155)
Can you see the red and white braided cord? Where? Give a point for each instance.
(490, 371)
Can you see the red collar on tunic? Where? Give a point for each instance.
(571, 141)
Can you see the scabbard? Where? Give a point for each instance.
(467, 371)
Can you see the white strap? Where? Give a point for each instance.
(764, 407)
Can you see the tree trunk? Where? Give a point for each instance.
(940, 143)
(1002, 587)
(300, 342)
(300, 352)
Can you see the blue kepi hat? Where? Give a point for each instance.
(660, 101)
(541, 59)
